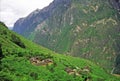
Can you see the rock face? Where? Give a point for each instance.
(82, 28)
(115, 4)
(25, 26)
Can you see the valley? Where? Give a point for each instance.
(89, 29)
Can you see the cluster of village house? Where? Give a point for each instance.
(39, 62)
(77, 71)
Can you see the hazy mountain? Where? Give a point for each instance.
(82, 28)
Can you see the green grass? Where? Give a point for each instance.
(15, 64)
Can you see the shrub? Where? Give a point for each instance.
(20, 54)
(34, 75)
(3, 24)
(17, 41)
(1, 54)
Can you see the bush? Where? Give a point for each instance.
(1, 54)
(17, 41)
(5, 77)
(20, 54)
(34, 75)
(3, 24)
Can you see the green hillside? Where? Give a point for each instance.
(22, 60)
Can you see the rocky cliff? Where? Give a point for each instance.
(26, 25)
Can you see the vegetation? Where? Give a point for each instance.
(81, 28)
(15, 64)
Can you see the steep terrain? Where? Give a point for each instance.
(82, 28)
(26, 25)
(22, 60)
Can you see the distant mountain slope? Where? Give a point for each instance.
(26, 25)
(22, 60)
(82, 28)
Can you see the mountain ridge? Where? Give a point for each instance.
(42, 14)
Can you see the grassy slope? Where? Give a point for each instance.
(15, 64)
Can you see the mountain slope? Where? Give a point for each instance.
(17, 55)
(88, 29)
(26, 25)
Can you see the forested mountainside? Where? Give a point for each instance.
(22, 60)
(81, 28)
